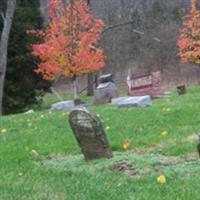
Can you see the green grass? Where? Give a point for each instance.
(60, 172)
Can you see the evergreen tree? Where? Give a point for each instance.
(23, 86)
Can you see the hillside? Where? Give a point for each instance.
(41, 160)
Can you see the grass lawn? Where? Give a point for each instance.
(60, 172)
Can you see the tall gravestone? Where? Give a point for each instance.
(106, 90)
(90, 135)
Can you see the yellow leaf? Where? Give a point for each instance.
(164, 133)
(126, 144)
(34, 153)
(3, 130)
(161, 179)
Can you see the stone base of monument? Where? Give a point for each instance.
(89, 134)
(78, 102)
(101, 101)
(139, 101)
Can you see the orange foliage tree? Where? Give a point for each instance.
(189, 39)
(70, 44)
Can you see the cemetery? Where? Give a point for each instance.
(121, 130)
(103, 150)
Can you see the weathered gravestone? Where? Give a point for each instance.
(90, 135)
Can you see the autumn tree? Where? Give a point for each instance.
(70, 44)
(189, 39)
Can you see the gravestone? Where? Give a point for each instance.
(147, 84)
(89, 134)
(106, 90)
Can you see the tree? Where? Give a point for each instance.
(7, 24)
(189, 39)
(23, 87)
(90, 77)
(71, 42)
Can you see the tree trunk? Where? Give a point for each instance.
(44, 12)
(90, 85)
(96, 80)
(90, 77)
(7, 24)
(75, 87)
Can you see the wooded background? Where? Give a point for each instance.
(140, 36)
(144, 41)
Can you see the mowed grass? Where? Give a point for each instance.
(60, 172)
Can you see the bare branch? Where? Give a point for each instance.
(116, 26)
(156, 39)
(139, 32)
(125, 24)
